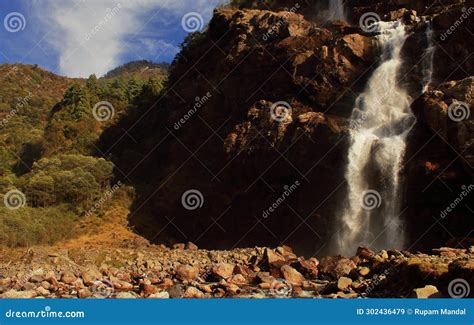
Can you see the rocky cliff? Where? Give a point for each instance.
(256, 117)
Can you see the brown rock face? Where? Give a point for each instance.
(256, 120)
(186, 272)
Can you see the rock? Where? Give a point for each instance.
(36, 278)
(148, 289)
(68, 277)
(292, 275)
(223, 270)
(428, 291)
(176, 291)
(336, 266)
(90, 276)
(121, 285)
(274, 259)
(238, 279)
(84, 293)
(160, 295)
(309, 268)
(187, 272)
(179, 246)
(125, 295)
(364, 271)
(5, 282)
(264, 277)
(191, 246)
(344, 283)
(167, 283)
(13, 294)
(51, 278)
(365, 253)
(42, 291)
(192, 292)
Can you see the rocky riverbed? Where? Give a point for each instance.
(141, 270)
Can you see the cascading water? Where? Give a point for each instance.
(428, 59)
(337, 10)
(382, 120)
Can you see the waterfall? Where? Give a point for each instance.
(428, 59)
(337, 10)
(382, 120)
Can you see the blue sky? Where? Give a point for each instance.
(76, 38)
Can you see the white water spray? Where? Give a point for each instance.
(337, 10)
(428, 59)
(384, 119)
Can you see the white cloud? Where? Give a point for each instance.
(90, 35)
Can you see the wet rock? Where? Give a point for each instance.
(264, 277)
(364, 271)
(292, 275)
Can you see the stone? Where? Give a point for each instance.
(191, 246)
(344, 283)
(160, 295)
(84, 293)
(176, 291)
(223, 270)
(365, 253)
(125, 295)
(187, 272)
(167, 283)
(68, 277)
(364, 271)
(36, 278)
(5, 282)
(148, 289)
(309, 268)
(179, 246)
(274, 259)
(13, 294)
(292, 275)
(264, 277)
(336, 266)
(121, 285)
(192, 292)
(42, 291)
(428, 291)
(90, 276)
(238, 279)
